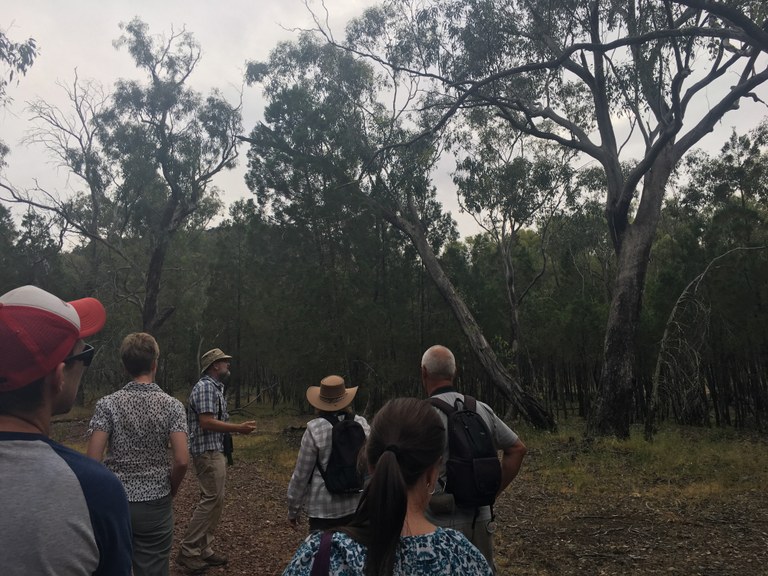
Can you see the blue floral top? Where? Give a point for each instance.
(444, 551)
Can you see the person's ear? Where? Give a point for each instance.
(55, 379)
(434, 473)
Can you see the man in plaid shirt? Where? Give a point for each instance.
(325, 510)
(207, 420)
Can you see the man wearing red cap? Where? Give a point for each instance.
(63, 513)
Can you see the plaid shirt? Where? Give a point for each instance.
(307, 483)
(207, 397)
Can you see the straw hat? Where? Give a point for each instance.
(331, 395)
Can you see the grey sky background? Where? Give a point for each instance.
(78, 34)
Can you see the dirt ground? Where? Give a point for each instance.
(540, 532)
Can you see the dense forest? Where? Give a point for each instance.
(600, 278)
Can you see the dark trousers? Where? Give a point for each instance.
(320, 524)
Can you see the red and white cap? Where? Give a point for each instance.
(38, 330)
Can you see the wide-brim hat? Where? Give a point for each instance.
(38, 330)
(212, 356)
(331, 395)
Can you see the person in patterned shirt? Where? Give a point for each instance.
(135, 425)
(207, 419)
(325, 510)
(389, 534)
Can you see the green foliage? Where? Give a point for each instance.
(38, 251)
(16, 58)
(9, 256)
(144, 157)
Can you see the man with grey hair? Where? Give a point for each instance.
(438, 372)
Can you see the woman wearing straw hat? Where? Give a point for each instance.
(333, 402)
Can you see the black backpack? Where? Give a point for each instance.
(473, 469)
(342, 476)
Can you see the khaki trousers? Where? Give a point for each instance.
(211, 471)
(442, 511)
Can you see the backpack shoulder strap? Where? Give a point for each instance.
(441, 405)
(322, 562)
(332, 419)
(470, 403)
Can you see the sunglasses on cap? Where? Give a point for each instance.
(86, 356)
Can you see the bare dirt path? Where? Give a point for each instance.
(539, 533)
(253, 532)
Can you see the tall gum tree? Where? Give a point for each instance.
(631, 85)
(15, 59)
(506, 186)
(323, 138)
(143, 158)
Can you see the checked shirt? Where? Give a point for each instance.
(207, 397)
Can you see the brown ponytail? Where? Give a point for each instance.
(407, 437)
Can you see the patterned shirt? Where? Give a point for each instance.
(207, 397)
(316, 446)
(139, 419)
(444, 552)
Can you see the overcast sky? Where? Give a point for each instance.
(78, 34)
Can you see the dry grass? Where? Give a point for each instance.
(696, 462)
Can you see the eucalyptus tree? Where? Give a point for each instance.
(16, 58)
(143, 158)
(730, 190)
(325, 141)
(506, 185)
(10, 258)
(631, 85)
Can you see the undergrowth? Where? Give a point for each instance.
(679, 462)
(694, 462)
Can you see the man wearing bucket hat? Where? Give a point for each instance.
(207, 420)
(307, 487)
(63, 513)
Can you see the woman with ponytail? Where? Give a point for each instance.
(389, 534)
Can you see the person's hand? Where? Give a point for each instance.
(247, 427)
(294, 522)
